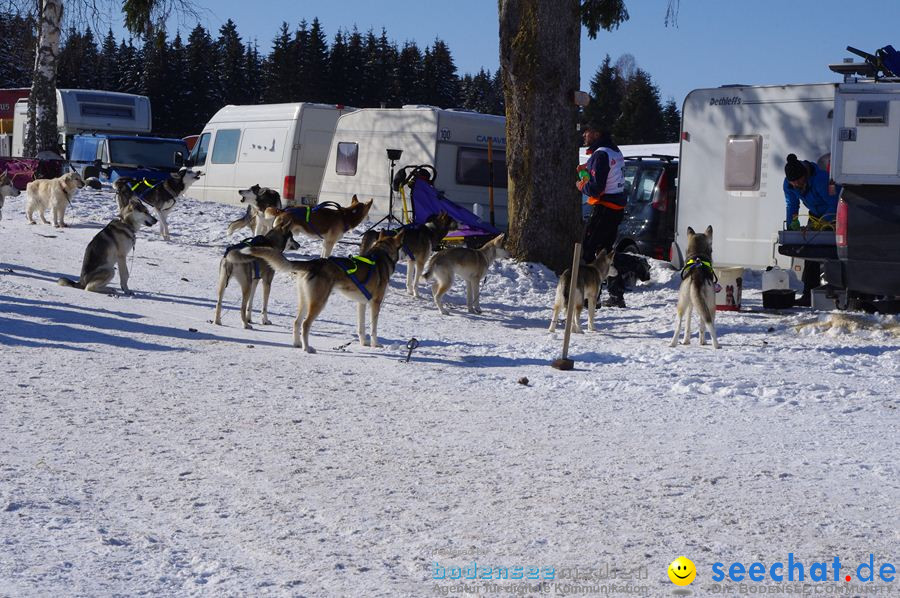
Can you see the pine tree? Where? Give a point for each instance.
(107, 67)
(17, 47)
(129, 67)
(297, 74)
(203, 92)
(440, 79)
(606, 97)
(641, 120)
(410, 74)
(671, 122)
(181, 107)
(232, 65)
(337, 63)
(88, 74)
(315, 65)
(253, 67)
(154, 82)
(355, 64)
(278, 68)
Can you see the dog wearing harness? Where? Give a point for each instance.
(421, 241)
(698, 289)
(363, 279)
(249, 271)
(327, 221)
(161, 196)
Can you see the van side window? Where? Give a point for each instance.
(743, 158)
(198, 156)
(347, 158)
(225, 147)
(472, 167)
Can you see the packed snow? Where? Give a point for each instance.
(147, 451)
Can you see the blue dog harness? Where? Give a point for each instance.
(350, 265)
(257, 241)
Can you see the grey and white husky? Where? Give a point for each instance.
(110, 247)
(590, 277)
(248, 271)
(7, 189)
(258, 200)
(160, 196)
(471, 264)
(698, 288)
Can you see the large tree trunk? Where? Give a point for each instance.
(41, 130)
(540, 44)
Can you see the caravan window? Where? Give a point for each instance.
(347, 158)
(472, 167)
(742, 162)
(226, 146)
(198, 157)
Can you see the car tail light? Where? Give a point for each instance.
(660, 194)
(840, 229)
(288, 190)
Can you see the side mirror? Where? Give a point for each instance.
(179, 159)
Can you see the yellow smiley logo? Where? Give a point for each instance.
(682, 571)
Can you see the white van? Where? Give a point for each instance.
(280, 146)
(734, 143)
(88, 111)
(454, 142)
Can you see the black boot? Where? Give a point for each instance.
(804, 300)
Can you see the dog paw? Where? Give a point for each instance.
(266, 322)
(247, 326)
(310, 350)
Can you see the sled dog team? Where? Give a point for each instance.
(363, 278)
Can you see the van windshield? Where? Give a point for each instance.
(148, 153)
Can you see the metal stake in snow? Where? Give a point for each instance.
(564, 363)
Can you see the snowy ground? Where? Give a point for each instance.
(146, 451)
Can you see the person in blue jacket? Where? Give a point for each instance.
(805, 182)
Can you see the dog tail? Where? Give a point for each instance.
(65, 282)
(699, 287)
(241, 222)
(280, 263)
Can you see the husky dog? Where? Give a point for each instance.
(258, 199)
(110, 247)
(471, 264)
(363, 279)
(328, 221)
(249, 271)
(590, 276)
(55, 194)
(420, 241)
(160, 196)
(697, 288)
(7, 189)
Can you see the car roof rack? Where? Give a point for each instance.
(664, 157)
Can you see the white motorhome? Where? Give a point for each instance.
(88, 111)
(281, 146)
(734, 142)
(454, 142)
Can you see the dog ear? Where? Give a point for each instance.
(354, 200)
(691, 232)
(709, 232)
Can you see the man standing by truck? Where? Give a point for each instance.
(603, 182)
(805, 182)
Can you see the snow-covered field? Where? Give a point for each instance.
(146, 451)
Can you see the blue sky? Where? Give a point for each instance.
(716, 42)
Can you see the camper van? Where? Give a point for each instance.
(454, 142)
(280, 146)
(88, 111)
(734, 142)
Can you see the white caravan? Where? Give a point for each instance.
(734, 142)
(280, 146)
(88, 111)
(454, 142)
